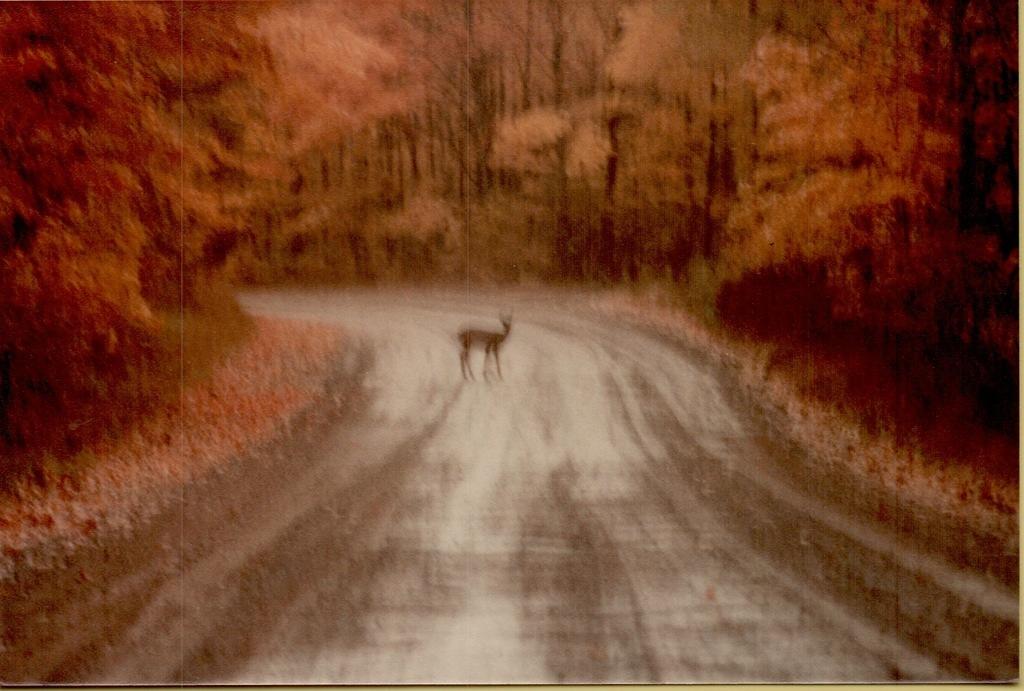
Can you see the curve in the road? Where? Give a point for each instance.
(605, 513)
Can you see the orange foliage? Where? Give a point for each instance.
(92, 206)
(849, 235)
(843, 171)
(340, 63)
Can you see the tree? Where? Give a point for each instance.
(94, 202)
(851, 207)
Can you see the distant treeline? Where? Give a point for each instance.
(838, 178)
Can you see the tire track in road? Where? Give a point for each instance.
(705, 500)
(963, 618)
(577, 596)
(939, 610)
(239, 589)
(564, 363)
(608, 512)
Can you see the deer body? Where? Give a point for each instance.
(490, 341)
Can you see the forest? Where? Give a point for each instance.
(836, 179)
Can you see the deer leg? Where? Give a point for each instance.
(466, 367)
(487, 355)
(497, 362)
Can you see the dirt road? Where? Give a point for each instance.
(606, 513)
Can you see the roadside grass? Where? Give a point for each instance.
(148, 385)
(206, 335)
(240, 398)
(839, 405)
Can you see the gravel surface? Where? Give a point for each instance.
(610, 511)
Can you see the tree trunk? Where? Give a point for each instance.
(566, 239)
(431, 163)
(341, 162)
(606, 251)
(526, 77)
(964, 97)
(464, 159)
(6, 389)
(707, 231)
(412, 138)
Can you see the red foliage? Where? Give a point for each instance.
(874, 240)
(90, 199)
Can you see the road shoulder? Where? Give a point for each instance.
(253, 396)
(959, 513)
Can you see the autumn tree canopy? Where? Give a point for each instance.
(793, 169)
(134, 153)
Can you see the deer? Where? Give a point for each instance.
(490, 341)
